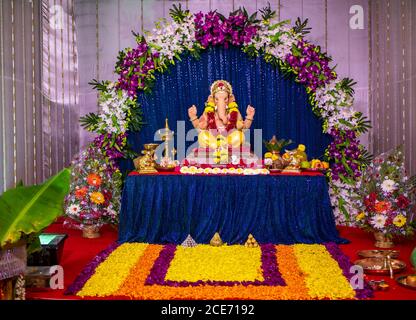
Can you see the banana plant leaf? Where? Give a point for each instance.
(28, 210)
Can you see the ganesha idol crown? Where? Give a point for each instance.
(221, 86)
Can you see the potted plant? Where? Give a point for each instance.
(385, 195)
(25, 212)
(273, 159)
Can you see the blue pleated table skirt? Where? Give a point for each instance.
(275, 209)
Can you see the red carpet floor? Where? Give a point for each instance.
(79, 251)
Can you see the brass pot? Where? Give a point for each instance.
(91, 232)
(382, 241)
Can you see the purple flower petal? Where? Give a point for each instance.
(345, 265)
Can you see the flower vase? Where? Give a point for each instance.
(91, 232)
(382, 241)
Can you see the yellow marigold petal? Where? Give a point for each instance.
(324, 277)
(225, 263)
(111, 273)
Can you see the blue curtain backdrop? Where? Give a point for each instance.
(282, 106)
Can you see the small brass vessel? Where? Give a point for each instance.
(146, 163)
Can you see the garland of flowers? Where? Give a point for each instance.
(279, 44)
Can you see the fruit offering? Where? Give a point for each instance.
(315, 165)
(300, 153)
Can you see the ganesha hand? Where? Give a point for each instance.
(192, 112)
(250, 112)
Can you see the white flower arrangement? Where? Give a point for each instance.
(170, 39)
(275, 39)
(344, 202)
(335, 105)
(114, 107)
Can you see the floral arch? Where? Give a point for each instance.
(258, 35)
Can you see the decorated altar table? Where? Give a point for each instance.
(275, 208)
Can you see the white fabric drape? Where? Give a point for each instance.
(393, 77)
(38, 90)
(60, 103)
(20, 93)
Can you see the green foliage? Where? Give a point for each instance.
(295, 51)
(347, 85)
(269, 58)
(341, 206)
(366, 157)
(363, 124)
(120, 58)
(252, 19)
(28, 210)
(267, 13)
(177, 14)
(276, 145)
(90, 122)
(138, 37)
(251, 51)
(279, 24)
(100, 86)
(301, 27)
(135, 117)
(128, 152)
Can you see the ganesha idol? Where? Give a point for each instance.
(221, 129)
